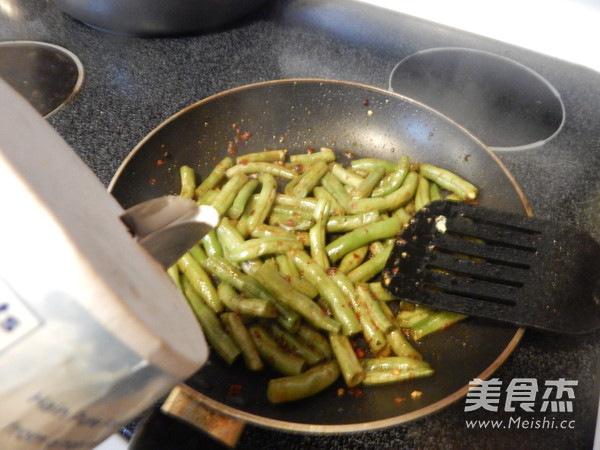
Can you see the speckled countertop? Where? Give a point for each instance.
(132, 84)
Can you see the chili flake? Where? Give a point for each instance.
(234, 389)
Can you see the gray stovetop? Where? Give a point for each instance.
(132, 84)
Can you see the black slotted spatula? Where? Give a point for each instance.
(481, 262)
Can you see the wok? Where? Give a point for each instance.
(357, 121)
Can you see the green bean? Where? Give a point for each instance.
(188, 182)
(307, 203)
(336, 189)
(350, 366)
(290, 223)
(336, 209)
(234, 325)
(422, 194)
(314, 380)
(434, 192)
(388, 202)
(395, 376)
(434, 322)
(227, 272)
(374, 336)
(304, 184)
(371, 267)
(241, 199)
(407, 319)
(365, 187)
(214, 332)
(379, 318)
(325, 154)
(449, 181)
(264, 230)
(211, 243)
(317, 234)
(264, 156)
(342, 224)
(292, 212)
(401, 346)
(275, 170)
(353, 259)
(379, 291)
(269, 245)
(392, 363)
(297, 301)
(371, 163)
(228, 192)
(230, 237)
(200, 281)
(341, 309)
(214, 178)
(394, 179)
(197, 253)
(265, 201)
(345, 175)
(173, 272)
(274, 355)
(255, 307)
(362, 236)
(208, 197)
(294, 344)
(376, 247)
(316, 340)
(289, 270)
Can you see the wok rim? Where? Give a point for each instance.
(282, 425)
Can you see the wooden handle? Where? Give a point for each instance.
(186, 404)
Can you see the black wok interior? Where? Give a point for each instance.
(356, 121)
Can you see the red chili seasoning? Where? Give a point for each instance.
(235, 389)
(153, 181)
(231, 148)
(399, 400)
(160, 162)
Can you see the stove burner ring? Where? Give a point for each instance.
(504, 103)
(47, 75)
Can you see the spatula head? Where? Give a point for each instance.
(516, 269)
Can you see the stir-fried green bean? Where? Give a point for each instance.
(339, 304)
(188, 182)
(325, 154)
(234, 325)
(300, 303)
(363, 235)
(278, 358)
(215, 334)
(394, 179)
(389, 202)
(314, 380)
(317, 233)
(265, 201)
(268, 245)
(262, 167)
(200, 281)
(288, 279)
(239, 203)
(350, 366)
(449, 180)
(214, 178)
(265, 156)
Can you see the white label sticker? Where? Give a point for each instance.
(16, 319)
